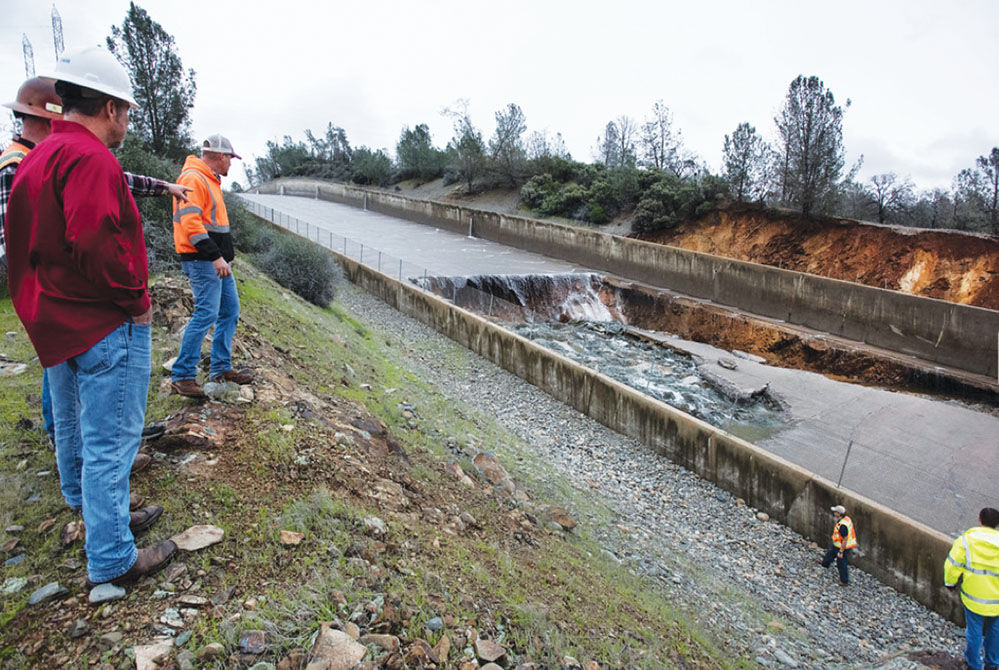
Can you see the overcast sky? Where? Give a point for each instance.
(921, 75)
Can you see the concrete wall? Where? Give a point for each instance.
(897, 550)
(938, 331)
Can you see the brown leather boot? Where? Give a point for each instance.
(241, 377)
(142, 519)
(150, 560)
(188, 388)
(134, 501)
(141, 462)
(139, 521)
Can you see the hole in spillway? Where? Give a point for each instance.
(586, 319)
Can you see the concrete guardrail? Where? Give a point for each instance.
(941, 332)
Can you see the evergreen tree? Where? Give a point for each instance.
(417, 155)
(506, 148)
(164, 90)
(810, 127)
(746, 155)
(466, 150)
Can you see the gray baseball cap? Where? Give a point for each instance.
(219, 144)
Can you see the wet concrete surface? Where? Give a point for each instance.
(934, 461)
(440, 252)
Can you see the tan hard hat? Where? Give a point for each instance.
(37, 97)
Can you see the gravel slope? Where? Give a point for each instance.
(753, 583)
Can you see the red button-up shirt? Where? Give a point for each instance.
(77, 258)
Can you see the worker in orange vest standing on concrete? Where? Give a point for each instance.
(844, 541)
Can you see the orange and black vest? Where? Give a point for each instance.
(851, 535)
(201, 226)
(13, 154)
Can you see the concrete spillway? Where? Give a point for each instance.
(934, 461)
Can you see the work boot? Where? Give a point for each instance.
(142, 519)
(150, 560)
(134, 501)
(139, 521)
(188, 388)
(241, 378)
(141, 462)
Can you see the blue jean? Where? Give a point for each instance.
(842, 564)
(215, 303)
(99, 403)
(980, 629)
(47, 406)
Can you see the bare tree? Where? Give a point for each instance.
(540, 145)
(662, 145)
(616, 147)
(988, 168)
(890, 195)
(627, 129)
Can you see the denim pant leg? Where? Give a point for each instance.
(207, 290)
(973, 625)
(225, 328)
(829, 557)
(843, 565)
(991, 630)
(65, 399)
(47, 416)
(113, 382)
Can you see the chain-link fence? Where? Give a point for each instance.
(457, 292)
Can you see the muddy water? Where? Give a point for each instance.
(577, 315)
(667, 375)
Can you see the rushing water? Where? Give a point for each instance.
(663, 373)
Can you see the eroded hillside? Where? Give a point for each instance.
(960, 267)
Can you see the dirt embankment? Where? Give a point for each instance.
(949, 265)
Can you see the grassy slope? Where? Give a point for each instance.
(543, 594)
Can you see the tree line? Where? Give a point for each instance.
(642, 167)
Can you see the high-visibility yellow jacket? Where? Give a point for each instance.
(201, 226)
(974, 559)
(848, 542)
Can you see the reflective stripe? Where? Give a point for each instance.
(212, 228)
(197, 238)
(983, 601)
(11, 158)
(213, 219)
(967, 559)
(183, 211)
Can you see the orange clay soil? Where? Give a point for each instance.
(949, 265)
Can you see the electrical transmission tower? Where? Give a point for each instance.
(57, 32)
(29, 57)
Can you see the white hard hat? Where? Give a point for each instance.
(97, 69)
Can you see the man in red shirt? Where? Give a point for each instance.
(78, 280)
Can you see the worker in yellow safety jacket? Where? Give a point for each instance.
(974, 562)
(844, 541)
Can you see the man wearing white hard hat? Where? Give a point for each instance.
(79, 283)
(202, 239)
(37, 104)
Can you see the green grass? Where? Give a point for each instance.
(557, 596)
